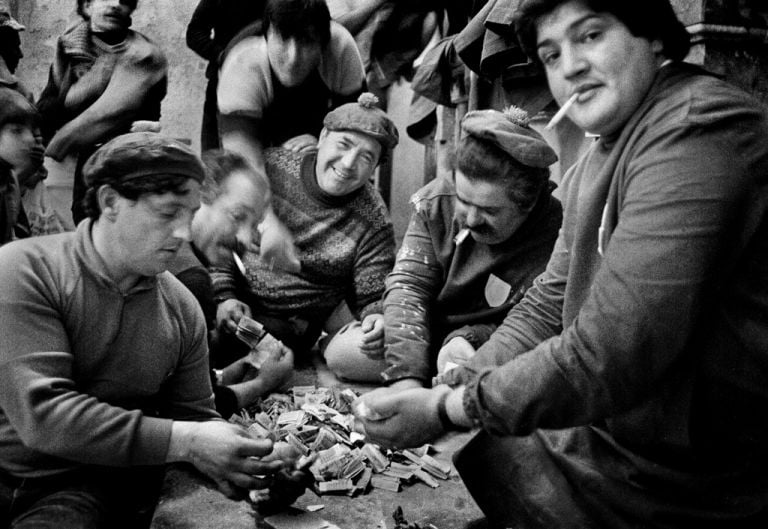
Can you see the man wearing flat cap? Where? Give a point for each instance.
(472, 248)
(103, 355)
(344, 240)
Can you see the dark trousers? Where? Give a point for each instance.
(89, 498)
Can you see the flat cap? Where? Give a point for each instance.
(141, 154)
(364, 117)
(6, 20)
(510, 131)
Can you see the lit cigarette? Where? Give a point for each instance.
(239, 263)
(463, 234)
(560, 114)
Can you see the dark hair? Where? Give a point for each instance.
(81, 6)
(219, 165)
(132, 189)
(15, 108)
(649, 19)
(306, 21)
(484, 161)
(10, 47)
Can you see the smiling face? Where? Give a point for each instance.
(486, 210)
(595, 55)
(146, 234)
(109, 15)
(229, 222)
(291, 60)
(345, 161)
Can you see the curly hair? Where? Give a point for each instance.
(306, 21)
(132, 189)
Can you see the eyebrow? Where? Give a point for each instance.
(573, 27)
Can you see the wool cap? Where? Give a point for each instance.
(510, 131)
(142, 154)
(15, 108)
(6, 20)
(364, 117)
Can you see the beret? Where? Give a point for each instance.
(364, 117)
(142, 154)
(510, 132)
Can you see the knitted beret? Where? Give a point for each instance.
(364, 117)
(141, 154)
(509, 130)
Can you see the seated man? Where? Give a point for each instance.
(103, 358)
(232, 201)
(344, 240)
(20, 156)
(629, 387)
(472, 249)
(104, 77)
(276, 87)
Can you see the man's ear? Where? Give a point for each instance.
(109, 201)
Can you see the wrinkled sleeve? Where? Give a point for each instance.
(341, 65)
(245, 88)
(37, 390)
(135, 78)
(683, 189)
(411, 289)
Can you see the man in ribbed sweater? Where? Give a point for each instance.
(103, 356)
(344, 239)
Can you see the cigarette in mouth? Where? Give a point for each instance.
(238, 262)
(560, 114)
(461, 236)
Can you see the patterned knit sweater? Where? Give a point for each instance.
(346, 246)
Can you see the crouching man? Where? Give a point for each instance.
(103, 356)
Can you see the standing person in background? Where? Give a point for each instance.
(212, 26)
(104, 78)
(629, 388)
(473, 247)
(275, 88)
(10, 50)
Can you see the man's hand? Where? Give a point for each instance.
(224, 452)
(276, 247)
(144, 125)
(301, 144)
(372, 345)
(400, 418)
(457, 351)
(229, 312)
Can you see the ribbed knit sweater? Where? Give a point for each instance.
(346, 246)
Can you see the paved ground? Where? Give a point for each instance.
(188, 502)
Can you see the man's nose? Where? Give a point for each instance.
(244, 236)
(183, 229)
(572, 61)
(472, 218)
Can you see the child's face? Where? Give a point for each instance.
(18, 145)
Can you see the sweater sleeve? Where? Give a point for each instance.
(374, 260)
(685, 189)
(38, 394)
(411, 289)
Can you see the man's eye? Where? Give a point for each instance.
(548, 58)
(591, 36)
